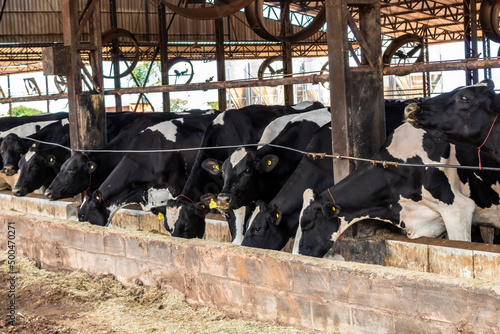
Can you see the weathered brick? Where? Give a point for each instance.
(330, 317)
(160, 252)
(114, 244)
(215, 291)
(214, 262)
(94, 241)
(294, 309)
(410, 324)
(487, 266)
(370, 321)
(262, 302)
(451, 261)
(406, 255)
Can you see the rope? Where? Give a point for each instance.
(484, 142)
(314, 155)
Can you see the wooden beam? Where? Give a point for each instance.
(221, 63)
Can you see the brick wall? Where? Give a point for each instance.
(310, 293)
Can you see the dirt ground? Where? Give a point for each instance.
(76, 303)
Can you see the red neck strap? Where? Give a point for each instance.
(485, 139)
(186, 197)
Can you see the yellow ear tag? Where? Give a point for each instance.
(212, 204)
(277, 216)
(269, 162)
(160, 215)
(216, 167)
(333, 209)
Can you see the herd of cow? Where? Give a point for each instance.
(249, 165)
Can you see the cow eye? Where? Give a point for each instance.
(464, 98)
(247, 171)
(257, 229)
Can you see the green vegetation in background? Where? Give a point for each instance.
(24, 111)
(178, 105)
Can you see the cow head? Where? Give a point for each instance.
(11, 149)
(94, 210)
(35, 168)
(240, 173)
(318, 221)
(185, 219)
(264, 228)
(463, 116)
(72, 179)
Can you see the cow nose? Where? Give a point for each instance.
(8, 170)
(48, 193)
(17, 191)
(410, 109)
(223, 201)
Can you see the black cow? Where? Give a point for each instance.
(146, 178)
(83, 172)
(464, 116)
(273, 224)
(232, 127)
(27, 125)
(422, 201)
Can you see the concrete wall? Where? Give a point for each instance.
(316, 294)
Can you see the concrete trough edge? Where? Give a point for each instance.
(315, 294)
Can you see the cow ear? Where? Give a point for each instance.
(489, 83)
(51, 160)
(330, 209)
(267, 163)
(202, 207)
(97, 196)
(159, 211)
(209, 201)
(90, 167)
(213, 166)
(276, 215)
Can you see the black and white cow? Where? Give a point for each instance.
(422, 201)
(149, 178)
(273, 224)
(85, 172)
(14, 146)
(466, 116)
(232, 127)
(253, 173)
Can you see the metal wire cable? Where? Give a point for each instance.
(314, 155)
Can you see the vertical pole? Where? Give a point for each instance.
(146, 18)
(338, 63)
(219, 55)
(286, 48)
(162, 19)
(9, 94)
(86, 109)
(470, 34)
(47, 92)
(356, 97)
(115, 56)
(487, 54)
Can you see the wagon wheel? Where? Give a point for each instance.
(324, 70)
(128, 49)
(271, 68)
(488, 16)
(306, 17)
(61, 83)
(180, 71)
(203, 10)
(404, 50)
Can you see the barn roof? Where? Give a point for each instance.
(27, 26)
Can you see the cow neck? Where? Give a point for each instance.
(90, 176)
(485, 140)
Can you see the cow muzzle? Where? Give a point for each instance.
(48, 193)
(9, 170)
(18, 191)
(223, 201)
(411, 112)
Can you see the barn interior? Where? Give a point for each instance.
(367, 43)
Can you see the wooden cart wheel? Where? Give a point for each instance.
(61, 83)
(128, 49)
(271, 68)
(180, 71)
(324, 70)
(203, 10)
(488, 16)
(404, 50)
(306, 17)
